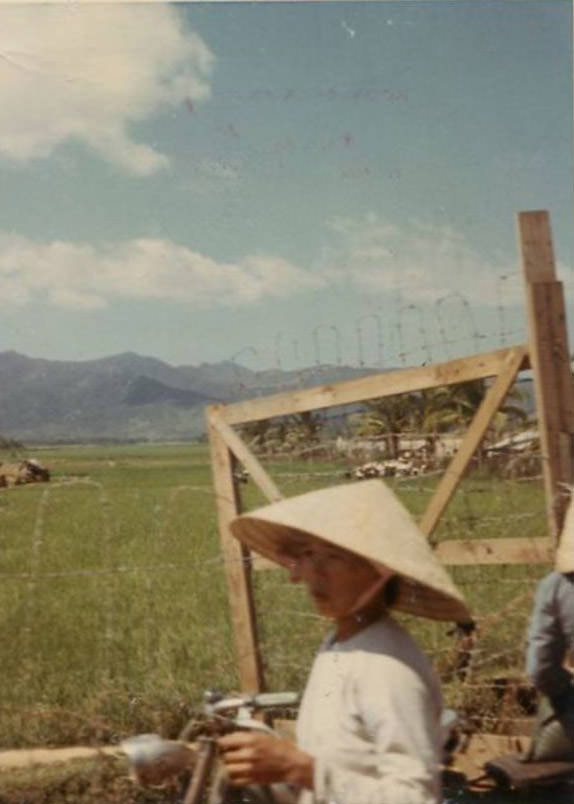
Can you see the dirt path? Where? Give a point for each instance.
(47, 756)
(481, 747)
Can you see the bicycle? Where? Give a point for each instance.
(157, 762)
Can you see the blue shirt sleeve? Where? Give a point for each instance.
(546, 641)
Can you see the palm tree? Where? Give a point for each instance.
(431, 412)
(256, 433)
(390, 416)
(304, 429)
(453, 407)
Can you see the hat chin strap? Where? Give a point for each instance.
(368, 597)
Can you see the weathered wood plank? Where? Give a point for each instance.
(550, 360)
(247, 458)
(389, 383)
(458, 552)
(535, 243)
(473, 436)
(237, 565)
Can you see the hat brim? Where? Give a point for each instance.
(272, 532)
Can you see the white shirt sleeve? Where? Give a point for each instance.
(398, 717)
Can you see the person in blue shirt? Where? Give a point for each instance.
(550, 654)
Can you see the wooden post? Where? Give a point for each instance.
(247, 458)
(550, 361)
(548, 355)
(474, 435)
(347, 392)
(237, 562)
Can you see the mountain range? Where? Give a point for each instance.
(130, 397)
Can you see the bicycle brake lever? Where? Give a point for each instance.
(250, 724)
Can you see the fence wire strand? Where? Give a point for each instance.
(114, 585)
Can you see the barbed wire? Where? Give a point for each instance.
(158, 583)
(408, 334)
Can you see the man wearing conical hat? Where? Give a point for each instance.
(368, 728)
(550, 653)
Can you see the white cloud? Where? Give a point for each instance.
(427, 262)
(72, 72)
(79, 276)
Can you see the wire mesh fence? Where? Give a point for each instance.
(114, 610)
(405, 333)
(114, 613)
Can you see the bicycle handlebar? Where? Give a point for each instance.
(154, 759)
(263, 700)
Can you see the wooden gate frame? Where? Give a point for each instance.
(546, 354)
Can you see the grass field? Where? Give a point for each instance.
(113, 605)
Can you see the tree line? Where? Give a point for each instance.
(427, 414)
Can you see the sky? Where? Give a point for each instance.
(279, 184)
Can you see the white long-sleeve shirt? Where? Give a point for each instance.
(370, 717)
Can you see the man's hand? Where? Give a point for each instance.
(252, 758)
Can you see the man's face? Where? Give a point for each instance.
(335, 578)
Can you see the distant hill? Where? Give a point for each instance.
(129, 396)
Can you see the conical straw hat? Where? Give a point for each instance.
(365, 518)
(564, 559)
